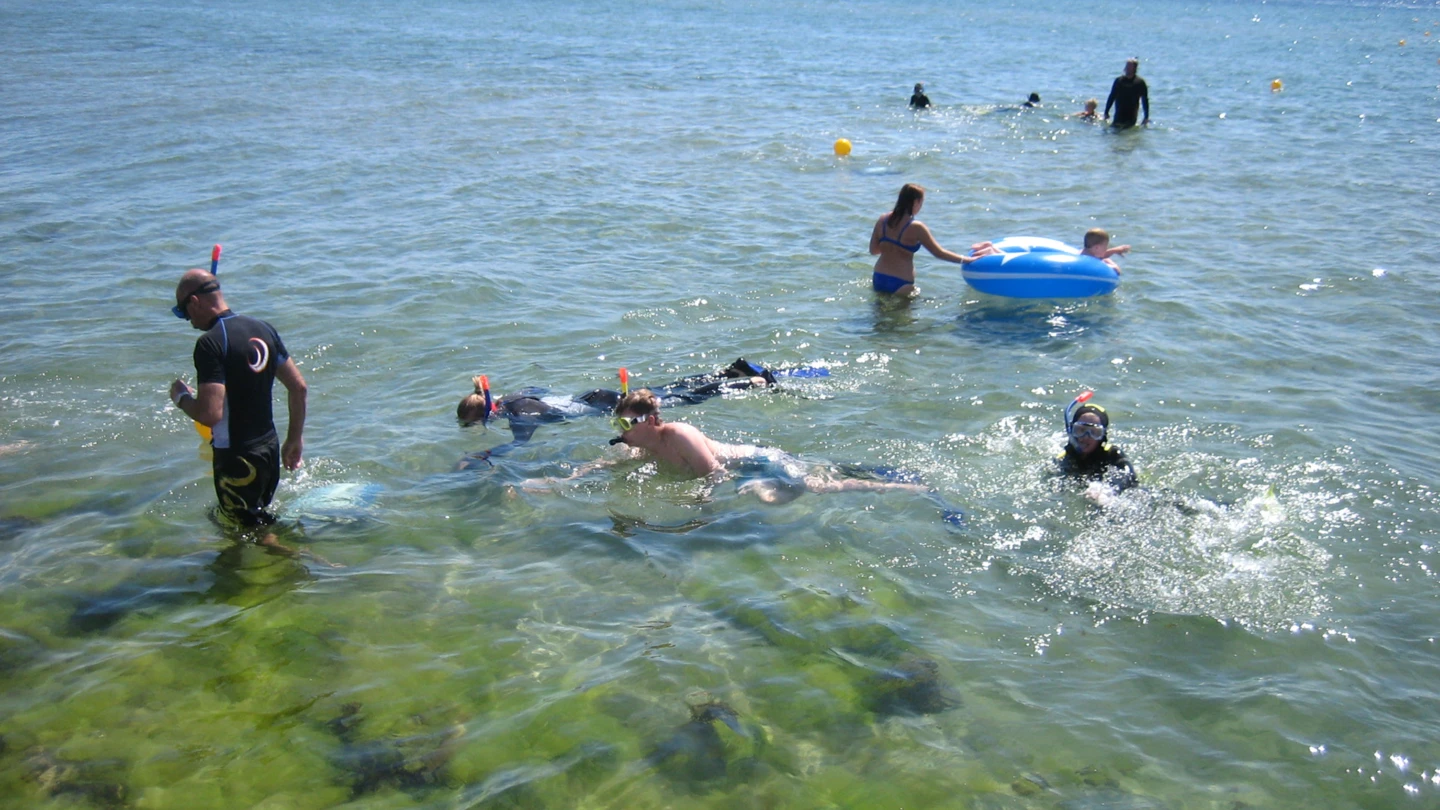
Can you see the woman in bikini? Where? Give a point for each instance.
(895, 239)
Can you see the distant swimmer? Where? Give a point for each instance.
(895, 269)
(771, 475)
(1128, 93)
(1089, 113)
(524, 411)
(1088, 455)
(918, 99)
(1032, 102)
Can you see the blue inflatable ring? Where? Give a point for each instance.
(1034, 267)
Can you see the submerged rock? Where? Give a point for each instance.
(1029, 785)
(410, 763)
(96, 781)
(911, 686)
(11, 527)
(94, 614)
(695, 753)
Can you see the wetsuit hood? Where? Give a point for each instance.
(1081, 411)
(1095, 409)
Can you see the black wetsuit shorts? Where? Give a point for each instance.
(245, 481)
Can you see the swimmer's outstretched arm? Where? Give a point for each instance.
(543, 483)
(928, 240)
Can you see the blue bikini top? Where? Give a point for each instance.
(896, 241)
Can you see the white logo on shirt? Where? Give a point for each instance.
(259, 356)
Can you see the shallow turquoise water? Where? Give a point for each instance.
(544, 192)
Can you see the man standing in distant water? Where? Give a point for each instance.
(918, 99)
(237, 361)
(1127, 94)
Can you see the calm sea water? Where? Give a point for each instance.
(544, 192)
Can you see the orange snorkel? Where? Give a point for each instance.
(624, 390)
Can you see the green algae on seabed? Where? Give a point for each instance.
(809, 622)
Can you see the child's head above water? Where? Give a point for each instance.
(473, 408)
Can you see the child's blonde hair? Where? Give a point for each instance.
(640, 403)
(1096, 236)
(472, 408)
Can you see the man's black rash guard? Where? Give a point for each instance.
(241, 353)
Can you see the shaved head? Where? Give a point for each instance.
(192, 281)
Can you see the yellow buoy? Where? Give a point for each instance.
(1402, 43)
(842, 147)
(1276, 86)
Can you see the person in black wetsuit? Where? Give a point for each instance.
(918, 99)
(237, 361)
(1128, 93)
(529, 408)
(1088, 456)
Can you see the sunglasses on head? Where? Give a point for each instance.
(624, 423)
(1085, 430)
(179, 309)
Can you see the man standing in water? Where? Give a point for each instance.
(237, 361)
(1127, 94)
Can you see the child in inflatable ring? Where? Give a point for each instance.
(1097, 244)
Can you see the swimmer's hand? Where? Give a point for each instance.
(179, 390)
(547, 483)
(538, 485)
(1100, 494)
(291, 452)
